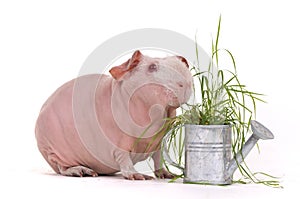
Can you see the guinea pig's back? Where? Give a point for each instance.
(56, 129)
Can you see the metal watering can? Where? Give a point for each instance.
(208, 152)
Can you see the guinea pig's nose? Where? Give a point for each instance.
(180, 84)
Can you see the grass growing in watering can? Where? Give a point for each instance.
(224, 100)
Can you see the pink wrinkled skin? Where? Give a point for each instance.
(98, 124)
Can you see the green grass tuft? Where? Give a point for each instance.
(224, 100)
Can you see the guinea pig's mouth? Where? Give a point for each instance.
(174, 102)
(173, 99)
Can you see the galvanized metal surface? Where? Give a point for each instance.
(207, 154)
(259, 132)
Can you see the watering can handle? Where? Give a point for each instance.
(166, 155)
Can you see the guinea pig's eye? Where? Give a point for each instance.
(152, 68)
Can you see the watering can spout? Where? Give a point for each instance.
(259, 132)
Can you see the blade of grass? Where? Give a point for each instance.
(217, 40)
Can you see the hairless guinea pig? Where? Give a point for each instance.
(98, 124)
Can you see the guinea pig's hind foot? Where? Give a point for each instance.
(78, 171)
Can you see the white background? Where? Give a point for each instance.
(43, 44)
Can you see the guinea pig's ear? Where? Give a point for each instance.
(118, 71)
(183, 60)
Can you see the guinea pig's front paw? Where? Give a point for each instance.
(163, 174)
(138, 176)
